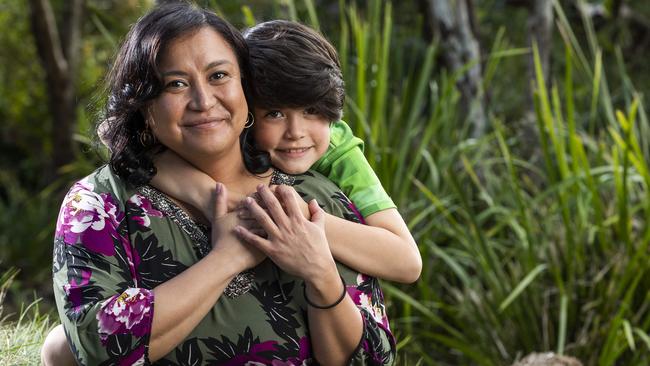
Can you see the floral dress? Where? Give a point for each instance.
(114, 244)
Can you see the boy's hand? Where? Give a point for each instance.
(304, 206)
(244, 212)
(297, 245)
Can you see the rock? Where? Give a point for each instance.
(547, 359)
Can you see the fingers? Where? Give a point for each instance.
(251, 225)
(290, 202)
(234, 200)
(221, 200)
(273, 206)
(259, 242)
(262, 218)
(317, 213)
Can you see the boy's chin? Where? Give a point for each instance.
(292, 168)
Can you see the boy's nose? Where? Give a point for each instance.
(295, 129)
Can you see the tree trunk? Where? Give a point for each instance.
(453, 21)
(540, 32)
(59, 57)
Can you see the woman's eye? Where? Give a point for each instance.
(175, 84)
(218, 75)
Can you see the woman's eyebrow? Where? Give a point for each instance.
(183, 73)
(216, 63)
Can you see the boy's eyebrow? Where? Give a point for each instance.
(211, 65)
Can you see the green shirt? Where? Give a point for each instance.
(346, 166)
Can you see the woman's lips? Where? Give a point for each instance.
(204, 123)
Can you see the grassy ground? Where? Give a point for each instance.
(21, 340)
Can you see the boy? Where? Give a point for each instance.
(298, 93)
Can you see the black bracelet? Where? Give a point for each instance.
(304, 292)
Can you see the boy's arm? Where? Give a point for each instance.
(384, 248)
(181, 180)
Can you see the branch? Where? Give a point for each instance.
(47, 39)
(72, 32)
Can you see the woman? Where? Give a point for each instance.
(138, 280)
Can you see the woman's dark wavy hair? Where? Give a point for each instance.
(135, 80)
(294, 66)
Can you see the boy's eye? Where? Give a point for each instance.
(311, 110)
(274, 114)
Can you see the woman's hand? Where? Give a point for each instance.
(294, 243)
(223, 235)
(245, 214)
(304, 206)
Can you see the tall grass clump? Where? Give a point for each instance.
(521, 255)
(21, 340)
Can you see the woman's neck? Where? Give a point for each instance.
(230, 170)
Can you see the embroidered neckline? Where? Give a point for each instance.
(278, 178)
(196, 231)
(199, 234)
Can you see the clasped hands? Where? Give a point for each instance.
(276, 224)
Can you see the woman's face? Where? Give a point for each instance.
(294, 137)
(202, 109)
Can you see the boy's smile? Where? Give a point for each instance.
(294, 137)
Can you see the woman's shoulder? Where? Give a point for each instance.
(104, 180)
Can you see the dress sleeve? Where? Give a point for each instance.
(346, 166)
(377, 344)
(106, 316)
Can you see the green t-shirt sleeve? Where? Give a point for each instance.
(346, 166)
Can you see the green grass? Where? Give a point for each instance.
(21, 340)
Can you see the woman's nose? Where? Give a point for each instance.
(203, 98)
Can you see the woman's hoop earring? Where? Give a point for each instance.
(250, 120)
(146, 137)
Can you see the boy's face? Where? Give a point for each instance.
(294, 137)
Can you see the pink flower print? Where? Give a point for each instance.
(376, 311)
(147, 210)
(89, 218)
(130, 312)
(352, 207)
(74, 290)
(135, 358)
(362, 299)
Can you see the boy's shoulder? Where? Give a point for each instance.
(313, 185)
(341, 133)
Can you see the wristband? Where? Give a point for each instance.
(304, 292)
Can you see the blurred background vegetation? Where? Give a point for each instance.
(512, 134)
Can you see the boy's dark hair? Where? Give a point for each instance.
(294, 66)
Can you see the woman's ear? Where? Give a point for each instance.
(147, 116)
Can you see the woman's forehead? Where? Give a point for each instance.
(204, 48)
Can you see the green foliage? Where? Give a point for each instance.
(519, 255)
(20, 341)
